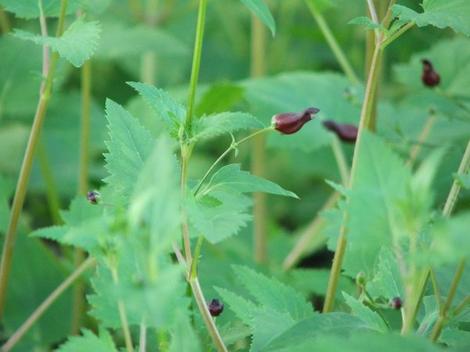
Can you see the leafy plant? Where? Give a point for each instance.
(157, 235)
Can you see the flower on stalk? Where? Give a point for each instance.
(395, 303)
(291, 122)
(346, 132)
(93, 197)
(215, 307)
(429, 77)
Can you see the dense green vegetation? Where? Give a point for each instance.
(224, 175)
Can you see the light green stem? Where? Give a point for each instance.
(25, 171)
(333, 43)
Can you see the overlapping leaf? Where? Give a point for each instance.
(261, 10)
(89, 342)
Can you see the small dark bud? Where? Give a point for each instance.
(395, 303)
(346, 132)
(93, 197)
(361, 279)
(429, 76)
(291, 122)
(215, 307)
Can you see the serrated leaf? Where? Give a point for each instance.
(233, 178)
(76, 45)
(244, 309)
(268, 324)
(156, 197)
(183, 336)
(439, 13)
(166, 108)
(386, 281)
(129, 146)
(224, 123)
(261, 10)
(84, 226)
(30, 9)
(366, 22)
(219, 98)
(372, 320)
(89, 342)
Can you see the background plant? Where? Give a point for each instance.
(171, 229)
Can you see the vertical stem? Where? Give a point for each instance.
(48, 177)
(340, 161)
(78, 305)
(201, 19)
(333, 43)
(421, 139)
(148, 60)
(22, 184)
(4, 22)
(258, 69)
(143, 337)
(42, 308)
(122, 314)
(363, 124)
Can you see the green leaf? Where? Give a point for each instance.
(233, 178)
(322, 5)
(129, 146)
(212, 126)
(89, 342)
(463, 180)
(76, 45)
(5, 192)
(164, 106)
(219, 98)
(120, 42)
(84, 226)
(439, 13)
(372, 320)
(30, 9)
(183, 336)
(366, 22)
(386, 282)
(156, 197)
(261, 10)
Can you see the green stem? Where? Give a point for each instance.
(363, 124)
(341, 162)
(201, 19)
(25, 171)
(4, 22)
(53, 199)
(42, 308)
(461, 306)
(415, 300)
(396, 34)
(122, 314)
(258, 150)
(333, 43)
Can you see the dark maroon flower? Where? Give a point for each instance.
(395, 303)
(93, 197)
(345, 132)
(215, 307)
(291, 122)
(429, 77)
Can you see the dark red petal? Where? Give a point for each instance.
(215, 307)
(291, 122)
(429, 77)
(345, 132)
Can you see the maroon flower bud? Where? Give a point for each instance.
(395, 303)
(345, 132)
(429, 77)
(291, 122)
(93, 197)
(215, 307)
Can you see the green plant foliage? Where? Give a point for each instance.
(89, 342)
(129, 146)
(219, 210)
(261, 10)
(367, 315)
(219, 98)
(30, 9)
(184, 337)
(439, 13)
(76, 45)
(386, 281)
(164, 106)
(208, 127)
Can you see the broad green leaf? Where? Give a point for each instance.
(232, 177)
(218, 215)
(120, 41)
(30, 9)
(372, 320)
(268, 324)
(313, 328)
(243, 308)
(219, 98)
(156, 197)
(76, 45)
(89, 342)
(183, 336)
(273, 294)
(164, 106)
(386, 281)
(261, 10)
(366, 22)
(84, 226)
(439, 13)
(445, 273)
(224, 123)
(129, 146)
(294, 92)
